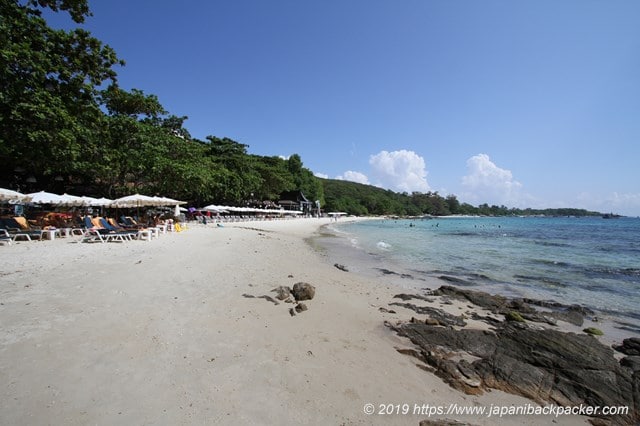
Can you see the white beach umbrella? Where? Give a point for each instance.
(214, 208)
(165, 201)
(43, 197)
(96, 202)
(89, 201)
(135, 200)
(9, 195)
(102, 202)
(71, 200)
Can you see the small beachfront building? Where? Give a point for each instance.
(295, 200)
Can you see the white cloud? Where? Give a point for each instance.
(399, 170)
(488, 183)
(321, 175)
(627, 204)
(354, 177)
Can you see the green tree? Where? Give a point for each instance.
(453, 204)
(304, 179)
(275, 176)
(241, 178)
(49, 81)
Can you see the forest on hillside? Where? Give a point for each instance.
(359, 199)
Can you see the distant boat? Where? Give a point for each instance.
(611, 216)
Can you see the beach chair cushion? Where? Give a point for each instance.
(22, 222)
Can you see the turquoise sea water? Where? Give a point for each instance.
(589, 261)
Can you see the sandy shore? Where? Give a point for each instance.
(159, 333)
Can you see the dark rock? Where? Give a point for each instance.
(270, 299)
(403, 296)
(282, 292)
(386, 311)
(292, 312)
(485, 318)
(471, 378)
(547, 366)
(303, 291)
(441, 316)
(573, 314)
(300, 307)
(539, 317)
(479, 298)
(632, 362)
(341, 267)
(630, 346)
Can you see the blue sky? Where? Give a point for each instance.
(527, 104)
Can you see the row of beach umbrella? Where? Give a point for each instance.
(230, 209)
(130, 201)
(42, 197)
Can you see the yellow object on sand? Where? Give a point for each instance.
(178, 227)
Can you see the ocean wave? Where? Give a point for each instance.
(550, 243)
(383, 246)
(539, 279)
(551, 262)
(611, 272)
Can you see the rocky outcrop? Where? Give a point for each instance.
(547, 366)
(282, 292)
(632, 362)
(303, 291)
(405, 297)
(269, 298)
(573, 314)
(341, 267)
(442, 317)
(630, 346)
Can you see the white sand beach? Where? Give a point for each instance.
(159, 332)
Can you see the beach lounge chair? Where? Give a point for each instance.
(92, 232)
(5, 237)
(18, 228)
(137, 231)
(128, 222)
(89, 223)
(117, 233)
(92, 235)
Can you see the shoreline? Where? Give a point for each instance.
(616, 327)
(159, 332)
